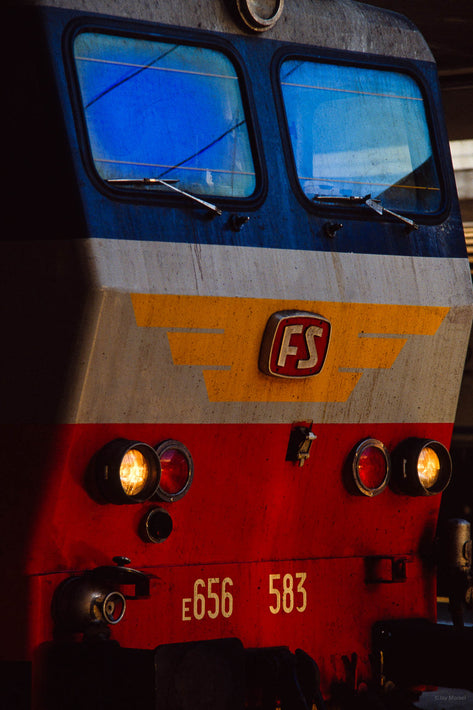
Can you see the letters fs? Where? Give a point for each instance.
(294, 344)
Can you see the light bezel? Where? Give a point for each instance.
(160, 449)
(406, 474)
(107, 471)
(113, 607)
(359, 487)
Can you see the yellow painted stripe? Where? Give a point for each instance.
(363, 336)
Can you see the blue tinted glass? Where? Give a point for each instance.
(166, 111)
(357, 131)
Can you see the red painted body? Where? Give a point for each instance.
(280, 519)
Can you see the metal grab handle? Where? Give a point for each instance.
(120, 575)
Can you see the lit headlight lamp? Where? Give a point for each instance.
(422, 467)
(127, 471)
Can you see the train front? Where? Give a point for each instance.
(234, 436)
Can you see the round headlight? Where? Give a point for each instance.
(127, 471)
(422, 467)
(428, 467)
(177, 470)
(370, 468)
(134, 472)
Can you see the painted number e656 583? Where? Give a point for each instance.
(288, 592)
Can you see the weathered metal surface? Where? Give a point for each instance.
(339, 24)
(209, 368)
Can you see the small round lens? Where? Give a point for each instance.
(177, 470)
(156, 525)
(113, 607)
(372, 467)
(174, 471)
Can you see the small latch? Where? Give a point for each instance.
(237, 221)
(331, 229)
(385, 569)
(300, 441)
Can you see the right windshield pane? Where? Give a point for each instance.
(357, 131)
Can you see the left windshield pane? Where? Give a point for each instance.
(158, 110)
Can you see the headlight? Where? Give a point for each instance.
(177, 470)
(134, 472)
(369, 468)
(127, 471)
(422, 467)
(428, 467)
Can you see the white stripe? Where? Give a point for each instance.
(209, 270)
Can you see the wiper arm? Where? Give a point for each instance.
(367, 200)
(167, 183)
(379, 209)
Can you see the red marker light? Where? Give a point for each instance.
(177, 470)
(370, 467)
(174, 471)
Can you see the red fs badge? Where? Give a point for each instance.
(294, 344)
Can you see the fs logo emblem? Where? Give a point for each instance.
(294, 344)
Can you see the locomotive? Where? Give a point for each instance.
(236, 305)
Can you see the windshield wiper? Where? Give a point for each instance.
(166, 183)
(352, 199)
(370, 202)
(379, 209)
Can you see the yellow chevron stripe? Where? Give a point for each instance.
(225, 333)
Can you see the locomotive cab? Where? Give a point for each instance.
(240, 301)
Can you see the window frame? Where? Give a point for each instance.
(191, 38)
(361, 61)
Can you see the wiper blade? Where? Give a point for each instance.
(379, 209)
(351, 199)
(136, 181)
(167, 183)
(370, 202)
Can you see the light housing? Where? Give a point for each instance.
(127, 471)
(422, 467)
(177, 470)
(156, 526)
(369, 468)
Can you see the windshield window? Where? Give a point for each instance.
(164, 111)
(357, 131)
